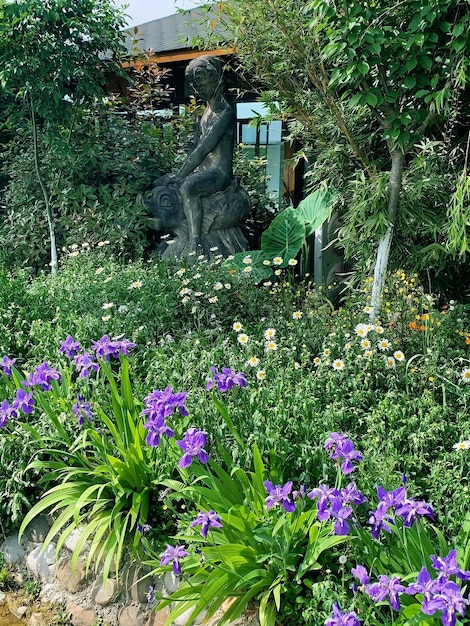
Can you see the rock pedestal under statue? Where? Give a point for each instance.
(201, 205)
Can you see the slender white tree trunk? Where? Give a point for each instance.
(385, 243)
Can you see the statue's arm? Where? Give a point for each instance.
(207, 143)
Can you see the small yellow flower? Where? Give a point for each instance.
(266, 262)
(293, 262)
(326, 352)
(247, 260)
(316, 361)
(277, 260)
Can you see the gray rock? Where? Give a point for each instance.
(104, 595)
(73, 539)
(182, 620)
(38, 529)
(12, 550)
(132, 616)
(40, 564)
(171, 582)
(136, 584)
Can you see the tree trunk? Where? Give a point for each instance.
(50, 218)
(385, 243)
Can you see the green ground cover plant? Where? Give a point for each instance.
(398, 388)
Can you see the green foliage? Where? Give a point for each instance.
(285, 237)
(101, 475)
(110, 161)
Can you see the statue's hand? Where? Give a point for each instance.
(168, 179)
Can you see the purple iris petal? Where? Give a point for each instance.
(206, 521)
(449, 601)
(347, 453)
(6, 364)
(225, 379)
(172, 555)
(380, 520)
(158, 406)
(82, 409)
(85, 364)
(447, 566)
(410, 509)
(104, 348)
(192, 445)
(43, 376)
(23, 401)
(7, 413)
(70, 347)
(424, 584)
(360, 573)
(386, 587)
(338, 618)
(278, 494)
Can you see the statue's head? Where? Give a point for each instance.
(205, 73)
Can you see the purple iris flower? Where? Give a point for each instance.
(82, 409)
(225, 379)
(158, 406)
(360, 574)
(6, 364)
(380, 520)
(164, 403)
(23, 401)
(70, 347)
(104, 348)
(43, 375)
(334, 440)
(192, 445)
(410, 509)
(338, 618)
(447, 566)
(424, 584)
(386, 587)
(345, 450)
(156, 428)
(173, 555)
(325, 495)
(449, 601)
(278, 494)
(7, 413)
(351, 495)
(340, 513)
(85, 364)
(151, 594)
(206, 521)
(393, 498)
(142, 529)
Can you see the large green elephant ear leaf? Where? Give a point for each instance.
(249, 264)
(315, 209)
(284, 237)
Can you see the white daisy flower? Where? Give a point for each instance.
(462, 445)
(260, 374)
(465, 375)
(296, 315)
(243, 339)
(399, 356)
(254, 361)
(237, 327)
(270, 333)
(384, 344)
(338, 365)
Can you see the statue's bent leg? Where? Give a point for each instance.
(193, 188)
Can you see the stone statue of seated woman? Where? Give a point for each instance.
(201, 204)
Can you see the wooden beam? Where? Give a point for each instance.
(178, 55)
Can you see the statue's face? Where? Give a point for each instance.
(204, 83)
